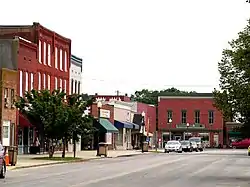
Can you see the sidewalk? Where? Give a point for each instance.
(26, 161)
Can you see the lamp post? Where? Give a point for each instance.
(169, 128)
(143, 128)
(187, 128)
(184, 137)
(99, 106)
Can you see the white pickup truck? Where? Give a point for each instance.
(198, 142)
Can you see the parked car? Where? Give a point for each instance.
(2, 162)
(173, 146)
(194, 146)
(198, 142)
(241, 144)
(186, 146)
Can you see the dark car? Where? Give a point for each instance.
(2, 162)
(186, 146)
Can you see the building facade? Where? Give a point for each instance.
(42, 58)
(8, 126)
(75, 75)
(184, 116)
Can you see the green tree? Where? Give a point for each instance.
(233, 98)
(151, 96)
(46, 111)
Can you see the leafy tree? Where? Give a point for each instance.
(46, 111)
(151, 96)
(233, 98)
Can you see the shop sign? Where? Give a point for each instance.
(104, 113)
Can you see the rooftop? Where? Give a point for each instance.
(185, 95)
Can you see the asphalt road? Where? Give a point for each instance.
(207, 169)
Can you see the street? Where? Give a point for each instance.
(211, 168)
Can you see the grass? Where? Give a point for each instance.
(66, 159)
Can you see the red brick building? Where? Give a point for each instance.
(183, 116)
(42, 58)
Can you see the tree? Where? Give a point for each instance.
(151, 96)
(46, 111)
(233, 98)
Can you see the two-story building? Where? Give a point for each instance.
(183, 116)
(42, 57)
(75, 75)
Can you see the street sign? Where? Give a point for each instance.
(148, 139)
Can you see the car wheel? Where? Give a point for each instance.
(196, 150)
(201, 150)
(248, 153)
(191, 150)
(234, 147)
(2, 172)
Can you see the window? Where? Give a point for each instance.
(72, 86)
(44, 53)
(60, 84)
(40, 52)
(65, 61)
(75, 86)
(26, 82)
(21, 83)
(12, 97)
(65, 86)
(49, 55)
(31, 81)
(6, 94)
(56, 58)
(210, 117)
(169, 116)
(5, 131)
(197, 116)
(39, 81)
(48, 82)
(61, 63)
(79, 87)
(55, 83)
(183, 116)
(44, 81)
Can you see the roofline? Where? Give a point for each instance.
(76, 59)
(14, 26)
(187, 96)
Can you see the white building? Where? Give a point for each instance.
(75, 88)
(75, 75)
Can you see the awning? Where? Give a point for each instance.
(126, 124)
(23, 121)
(105, 126)
(234, 134)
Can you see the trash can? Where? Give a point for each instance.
(12, 151)
(102, 149)
(145, 147)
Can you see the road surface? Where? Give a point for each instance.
(207, 169)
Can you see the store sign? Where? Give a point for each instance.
(108, 138)
(104, 113)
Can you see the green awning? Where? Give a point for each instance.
(106, 126)
(232, 133)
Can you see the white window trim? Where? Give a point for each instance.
(48, 82)
(44, 53)
(26, 81)
(40, 52)
(65, 86)
(56, 83)
(61, 63)
(65, 61)
(60, 84)
(39, 81)
(44, 81)
(49, 55)
(56, 58)
(31, 81)
(20, 83)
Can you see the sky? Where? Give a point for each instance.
(129, 45)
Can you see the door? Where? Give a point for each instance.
(6, 133)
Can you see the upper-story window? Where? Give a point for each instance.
(31, 81)
(72, 86)
(40, 52)
(61, 59)
(56, 58)
(12, 97)
(49, 55)
(21, 83)
(65, 61)
(56, 83)
(44, 53)
(79, 87)
(75, 86)
(26, 81)
(210, 117)
(65, 86)
(169, 116)
(44, 81)
(183, 116)
(60, 84)
(197, 116)
(39, 81)
(48, 82)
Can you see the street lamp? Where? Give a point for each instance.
(143, 128)
(187, 128)
(99, 106)
(169, 128)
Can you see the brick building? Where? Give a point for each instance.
(183, 116)
(42, 58)
(8, 111)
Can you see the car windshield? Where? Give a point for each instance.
(184, 142)
(172, 143)
(195, 139)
